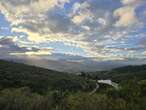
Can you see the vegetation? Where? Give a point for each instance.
(25, 87)
(15, 75)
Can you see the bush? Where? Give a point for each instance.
(23, 99)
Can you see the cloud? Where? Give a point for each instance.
(93, 26)
(80, 18)
(144, 52)
(131, 2)
(32, 14)
(8, 45)
(81, 12)
(35, 53)
(36, 6)
(126, 16)
(102, 21)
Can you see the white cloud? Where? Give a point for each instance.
(127, 13)
(102, 21)
(81, 12)
(18, 12)
(78, 19)
(1, 46)
(87, 28)
(35, 53)
(126, 16)
(45, 21)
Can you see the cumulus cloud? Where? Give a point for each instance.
(81, 12)
(126, 16)
(32, 5)
(93, 26)
(79, 18)
(31, 14)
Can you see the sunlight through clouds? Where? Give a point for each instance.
(100, 29)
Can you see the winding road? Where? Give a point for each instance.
(108, 82)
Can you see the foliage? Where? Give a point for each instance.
(30, 88)
(15, 75)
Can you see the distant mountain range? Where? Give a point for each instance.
(71, 64)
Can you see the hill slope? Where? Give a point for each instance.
(32, 88)
(40, 80)
(19, 75)
(123, 73)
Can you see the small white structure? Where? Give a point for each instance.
(108, 82)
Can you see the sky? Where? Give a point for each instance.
(102, 30)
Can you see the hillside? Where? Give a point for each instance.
(24, 87)
(38, 79)
(123, 73)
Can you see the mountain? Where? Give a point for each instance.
(123, 73)
(24, 87)
(38, 79)
(70, 63)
